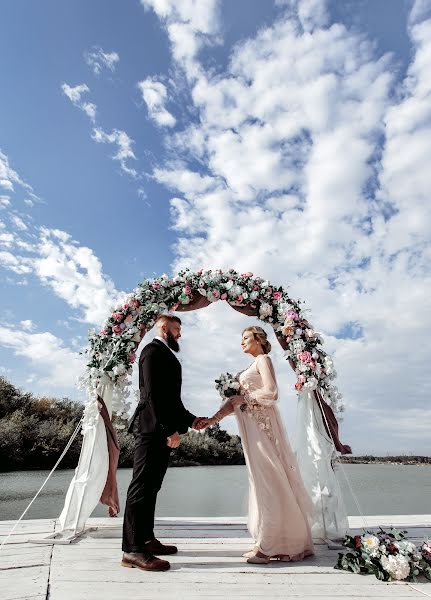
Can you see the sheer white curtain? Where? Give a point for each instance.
(314, 451)
(91, 473)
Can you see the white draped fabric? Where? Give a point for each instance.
(91, 473)
(315, 451)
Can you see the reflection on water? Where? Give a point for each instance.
(222, 491)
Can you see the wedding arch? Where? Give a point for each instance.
(112, 352)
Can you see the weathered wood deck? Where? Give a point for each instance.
(208, 565)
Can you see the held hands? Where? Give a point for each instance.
(203, 423)
(173, 441)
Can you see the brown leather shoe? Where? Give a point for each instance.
(156, 547)
(145, 561)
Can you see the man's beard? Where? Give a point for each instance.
(172, 342)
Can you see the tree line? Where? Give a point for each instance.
(35, 430)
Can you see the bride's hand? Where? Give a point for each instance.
(237, 400)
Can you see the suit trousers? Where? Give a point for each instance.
(149, 468)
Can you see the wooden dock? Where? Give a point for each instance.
(208, 565)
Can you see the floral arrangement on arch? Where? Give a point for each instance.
(112, 350)
(388, 555)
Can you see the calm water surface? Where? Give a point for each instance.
(222, 491)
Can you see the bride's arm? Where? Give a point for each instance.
(268, 393)
(226, 409)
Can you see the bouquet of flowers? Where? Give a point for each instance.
(386, 554)
(227, 385)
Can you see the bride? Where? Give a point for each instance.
(279, 506)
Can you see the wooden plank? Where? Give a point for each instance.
(22, 583)
(66, 590)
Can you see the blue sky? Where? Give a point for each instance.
(289, 138)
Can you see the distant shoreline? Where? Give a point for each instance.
(350, 460)
(385, 460)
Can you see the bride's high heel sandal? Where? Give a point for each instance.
(258, 560)
(250, 553)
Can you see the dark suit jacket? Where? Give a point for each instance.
(160, 408)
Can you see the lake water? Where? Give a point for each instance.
(222, 491)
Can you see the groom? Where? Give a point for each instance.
(159, 419)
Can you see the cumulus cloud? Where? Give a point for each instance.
(190, 25)
(75, 96)
(315, 161)
(98, 60)
(155, 95)
(57, 366)
(124, 147)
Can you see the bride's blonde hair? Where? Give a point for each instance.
(260, 335)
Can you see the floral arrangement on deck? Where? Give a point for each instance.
(386, 554)
(112, 350)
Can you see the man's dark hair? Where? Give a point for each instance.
(168, 319)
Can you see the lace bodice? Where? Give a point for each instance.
(258, 381)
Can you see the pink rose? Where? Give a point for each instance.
(277, 296)
(291, 315)
(312, 364)
(223, 297)
(126, 306)
(132, 357)
(298, 386)
(216, 294)
(304, 357)
(187, 290)
(255, 288)
(117, 329)
(103, 332)
(240, 298)
(117, 317)
(155, 285)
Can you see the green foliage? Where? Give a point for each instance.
(34, 432)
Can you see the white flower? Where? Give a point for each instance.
(254, 295)
(228, 284)
(265, 310)
(371, 543)
(311, 384)
(397, 566)
(119, 370)
(236, 290)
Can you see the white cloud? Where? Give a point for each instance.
(317, 178)
(27, 325)
(18, 222)
(190, 25)
(124, 147)
(57, 366)
(155, 96)
(8, 178)
(74, 94)
(18, 264)
(75, 274)
(98, 60)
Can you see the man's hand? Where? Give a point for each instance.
(203, 423)
(174, 440)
